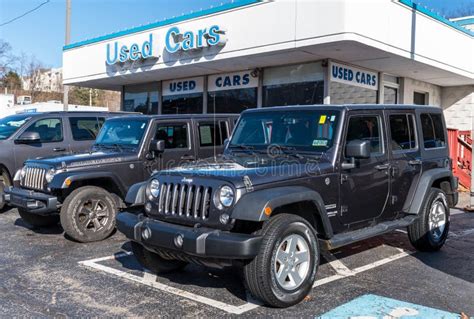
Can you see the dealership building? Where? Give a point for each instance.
(249, 53)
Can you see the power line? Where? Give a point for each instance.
(24, 14)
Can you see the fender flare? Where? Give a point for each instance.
(59, 180)
(136, 195)
(423, 187)
(252, 205)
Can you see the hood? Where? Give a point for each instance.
(94, 158)
(257, 171)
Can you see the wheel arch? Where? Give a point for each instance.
(297, 200)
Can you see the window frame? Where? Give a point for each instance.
(61, 120)
(217, 124)
(417, 144)
(381, 130)
(84, 117)
(174, 123)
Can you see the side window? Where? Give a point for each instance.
(433, 131)
(209, 134)
(402, 132)
(49, 130)
(224, 130)
(85, 128)
(367, 127)
(174, 135)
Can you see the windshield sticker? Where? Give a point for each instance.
(333, 118)
(322, 119)
(143, 126)
(320, 142)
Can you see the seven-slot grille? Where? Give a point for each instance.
(188, 201)
(34, 178)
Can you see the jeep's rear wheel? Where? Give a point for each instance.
(38, 220)
(88, 214)
(430, 231)
(154, 262)
(4, 183)
(284, 270)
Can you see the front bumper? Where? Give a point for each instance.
(197, 241)
(31, 201)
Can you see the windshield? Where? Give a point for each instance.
(11, 124)
(301, 130)
(122, 132)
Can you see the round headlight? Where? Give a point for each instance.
(226, 196)
(23, 172)
(154, 188)
(50, 174)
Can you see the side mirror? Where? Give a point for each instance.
(356, 149)
(28, 138)
(157, 146)
(226, 142)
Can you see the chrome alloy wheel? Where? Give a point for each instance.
(437, 218)
(292, 262)
(93, 215)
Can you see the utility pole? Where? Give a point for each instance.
(66, 42)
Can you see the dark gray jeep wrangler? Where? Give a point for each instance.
(292, 181)
(84, 191)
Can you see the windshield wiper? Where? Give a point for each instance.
(109, 146)
(243, 147)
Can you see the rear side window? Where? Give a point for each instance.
(433, 130)
(366, 128)
(209, 134)
(85, 128)
(174, 135)
(402, 132)
(49, 130)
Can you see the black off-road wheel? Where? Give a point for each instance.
(154, 262)
(88, 214)
(284, 270)
(4, 183)
(38, 220)
(430, 231)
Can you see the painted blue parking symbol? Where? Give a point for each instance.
(377, 307)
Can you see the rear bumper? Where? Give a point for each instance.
(199, 242)
(33, 202)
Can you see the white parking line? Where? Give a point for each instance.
(149, 279)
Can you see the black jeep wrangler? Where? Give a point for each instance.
(292, 181)
(84, 191)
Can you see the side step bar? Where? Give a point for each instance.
(368, 232)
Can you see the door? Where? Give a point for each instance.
(405, 159)
(365, 188)
(210, 137)
(83, 131)
(52, 142)
(179, 148)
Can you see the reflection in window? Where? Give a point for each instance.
(85, 128)
(402, 132)
(433, 131)
(141, 98)
(366, 128)
(49, 130)
(182, 104)
(390, 95)
(174, 135)
(232, 101)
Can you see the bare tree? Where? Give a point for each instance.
(33, 69)
(6, 58)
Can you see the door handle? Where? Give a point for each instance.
(59, 149)
(414, 162)
(188, 157)
(382, 167)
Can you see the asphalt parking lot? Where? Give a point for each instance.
(43, 274)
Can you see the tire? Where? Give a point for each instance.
(88, 214)
(423, 234)
(154, 262)
(260, 274)
(4, 183)
(38, 220)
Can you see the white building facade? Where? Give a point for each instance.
(45, 80)
(252, 53)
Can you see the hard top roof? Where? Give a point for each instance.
(348, 107)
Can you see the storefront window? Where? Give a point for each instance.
(232, 92)
(300, 84)
(141, 98)
(183, 96)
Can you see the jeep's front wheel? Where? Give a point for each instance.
(284, 270)
(36, 220)
(430, 231)
(154, 262)
(88, 214)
